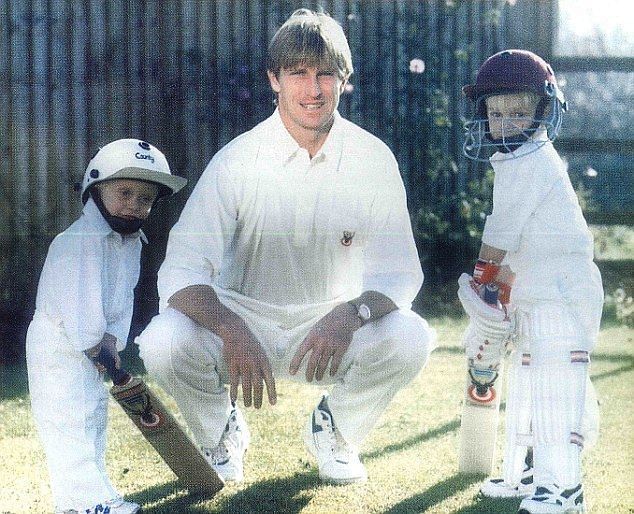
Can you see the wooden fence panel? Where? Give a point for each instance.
(189, 76)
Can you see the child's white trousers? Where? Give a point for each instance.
(69, 403)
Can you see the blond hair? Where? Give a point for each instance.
(311, 39)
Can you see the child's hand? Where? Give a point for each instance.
(108, 341)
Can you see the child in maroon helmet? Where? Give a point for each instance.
(536, 236)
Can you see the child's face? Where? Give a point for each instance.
(511, 114)
(127, 198)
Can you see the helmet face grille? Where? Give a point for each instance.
(480, 143)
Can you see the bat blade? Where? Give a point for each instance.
(478, 430)
(166, 436)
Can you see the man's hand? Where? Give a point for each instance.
(242, 352)
(247, 362)
(327, 342)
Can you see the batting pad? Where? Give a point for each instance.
(558, 375)
(519, 436)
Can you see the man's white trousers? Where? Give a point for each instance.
(187, 361)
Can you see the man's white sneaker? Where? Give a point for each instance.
(338, 461)
(227, 458)
(116, 506)
(498, 488)
(553, 500)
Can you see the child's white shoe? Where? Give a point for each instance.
(553, 500)
(498, 488)
(116, 506)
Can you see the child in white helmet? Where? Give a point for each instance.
(536, 239)
(84, 302)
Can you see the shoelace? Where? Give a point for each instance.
(219, 454)
(341, 450)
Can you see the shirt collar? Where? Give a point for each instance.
(282, 142)
(286, 146)
(99, 224)
(331, 149)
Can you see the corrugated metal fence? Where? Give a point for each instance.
(188, 75)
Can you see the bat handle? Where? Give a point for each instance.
(119, 376)
(490, 294)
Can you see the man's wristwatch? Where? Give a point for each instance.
(363, 311)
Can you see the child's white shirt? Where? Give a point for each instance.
(87, 283)
(537, 220)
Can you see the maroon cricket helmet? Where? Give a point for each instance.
(511, 71)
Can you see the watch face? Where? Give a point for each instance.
(364, 312)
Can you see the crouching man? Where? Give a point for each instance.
(293, 258)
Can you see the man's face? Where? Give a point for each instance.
(307, 97)
(510, 114)
(128, 199)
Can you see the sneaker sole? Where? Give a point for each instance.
(572, 510)
(342, 481)
(504, 495)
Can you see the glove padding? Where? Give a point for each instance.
(491, 322)
(483, 352)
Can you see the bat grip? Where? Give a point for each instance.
(105, 357)
(490, 293)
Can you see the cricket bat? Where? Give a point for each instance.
(160, 429)
(480, 411)
(479, 421)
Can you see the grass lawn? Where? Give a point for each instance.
(411, 456)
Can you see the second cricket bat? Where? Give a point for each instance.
(161, 430)
(479, 421)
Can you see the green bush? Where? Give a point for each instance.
(619, 306)
(449, 231)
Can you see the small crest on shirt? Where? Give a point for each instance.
(346, 240)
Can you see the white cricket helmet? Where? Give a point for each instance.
(131, 159)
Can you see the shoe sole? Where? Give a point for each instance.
(572, 510)
(342, 481)
(517, 494)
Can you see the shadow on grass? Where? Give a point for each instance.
(435, 494)
(168, 498)
(454, 350)
(612, 373)
(626, 359)
(482, 505)
(280, 495)
(425, 436)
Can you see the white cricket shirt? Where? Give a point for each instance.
(537, 219)
(87, 284)
(284, 233)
